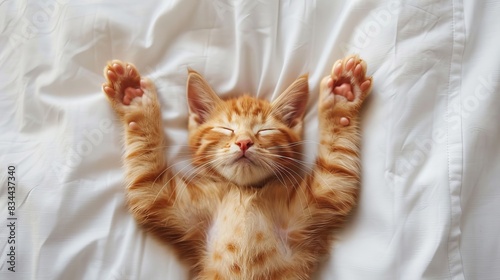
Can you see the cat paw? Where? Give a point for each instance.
(130, 95)
(124, 86)
(122, 82)
(347, 86)
(348, 81)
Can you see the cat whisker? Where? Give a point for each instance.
(171, 167)
(297, 183)
(278, 175)
(311, 169)
(295, 160)
(172, 177)
(193, 173)
(294, 144)
(284, 168)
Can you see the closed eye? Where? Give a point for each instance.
(268, 131)
(223, 130)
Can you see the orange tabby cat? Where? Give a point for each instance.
(248, 212)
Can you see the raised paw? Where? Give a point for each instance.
(348, 79)
(123, 82)
(130, 95)
(347, 86)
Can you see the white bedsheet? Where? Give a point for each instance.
(431, 159)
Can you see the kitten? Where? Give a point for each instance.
(248, 211)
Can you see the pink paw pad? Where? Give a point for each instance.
(344, 121)
(348, 78)
(133, 126)
(130, 94)
(343, 89)
(123, 82)
(348, 82)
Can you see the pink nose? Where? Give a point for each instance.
(244, 144)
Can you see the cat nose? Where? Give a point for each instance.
(244, 144)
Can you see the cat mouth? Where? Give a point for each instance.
(244, 160)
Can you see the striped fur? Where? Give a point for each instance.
(263, 216)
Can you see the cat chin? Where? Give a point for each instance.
(245, 174)
(244, 162)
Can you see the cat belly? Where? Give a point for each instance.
(243, 242)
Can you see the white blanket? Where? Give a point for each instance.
(431, 159)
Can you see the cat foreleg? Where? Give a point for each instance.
(336, 176)
(156, 197)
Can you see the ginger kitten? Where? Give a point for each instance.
(248, 211)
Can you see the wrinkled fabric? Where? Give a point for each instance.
(430, 196)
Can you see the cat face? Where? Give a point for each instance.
(246, 140)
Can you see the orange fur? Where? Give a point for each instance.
(262, 216)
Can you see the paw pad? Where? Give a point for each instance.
(348, 79)
(123, 82)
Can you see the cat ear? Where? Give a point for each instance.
(202, 99)
(290, 106)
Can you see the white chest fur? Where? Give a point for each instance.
(246, 235)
